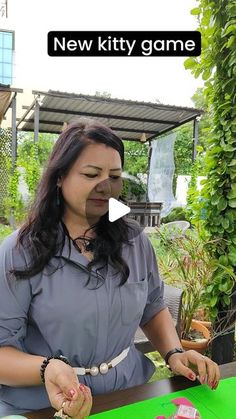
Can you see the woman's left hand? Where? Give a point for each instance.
(193, 365)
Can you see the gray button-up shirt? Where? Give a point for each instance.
(57, 312)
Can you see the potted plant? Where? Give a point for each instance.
(202, 315)
(185, 262)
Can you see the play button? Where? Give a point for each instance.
(117, 210)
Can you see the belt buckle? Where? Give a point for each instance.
(103, 369)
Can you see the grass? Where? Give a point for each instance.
(162, 371)
(5, 230)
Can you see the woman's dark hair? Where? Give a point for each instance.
(40, 233)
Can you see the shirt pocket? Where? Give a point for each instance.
(133, 297)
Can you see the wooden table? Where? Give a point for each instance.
(138, 393)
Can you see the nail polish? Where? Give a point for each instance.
(82, 387)
(72, 392)
(215, 385)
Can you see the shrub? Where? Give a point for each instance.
(177, 214)
(5, 230)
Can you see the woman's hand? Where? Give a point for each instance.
(62, 385)
(193, 365)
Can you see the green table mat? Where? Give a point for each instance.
(212, 404)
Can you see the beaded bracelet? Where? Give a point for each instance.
(46, 362)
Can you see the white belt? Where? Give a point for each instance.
(104, 367)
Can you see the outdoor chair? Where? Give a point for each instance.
(173, 299)
(176, 228)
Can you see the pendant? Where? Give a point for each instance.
(61, 415)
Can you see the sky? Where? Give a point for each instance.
(134, 78)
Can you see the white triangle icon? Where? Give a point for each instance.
(117, 209)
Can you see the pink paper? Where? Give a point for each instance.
(182, 401)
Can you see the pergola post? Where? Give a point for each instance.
(14, 132)
(36, 120)
(148, 170)
(195, 138)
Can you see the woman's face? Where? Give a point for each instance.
(92, 180)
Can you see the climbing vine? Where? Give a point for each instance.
(13, 204)
(29, 165)
(217, 66)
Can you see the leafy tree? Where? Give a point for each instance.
(183, 150)
(104, 94)
(205, 124)
(31, 157)
(136, 163)
(43, 146)
(136, 157)
(184, 139)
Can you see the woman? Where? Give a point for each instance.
(74, 284)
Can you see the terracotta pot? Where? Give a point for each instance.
(199, 346)
(200, 314)
(208, 325)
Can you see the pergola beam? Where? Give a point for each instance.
(59, 123)
(176, 126)
(108, 116)
(29, 108)
(10, 89)
(59, 132)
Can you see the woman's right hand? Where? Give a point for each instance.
(62, 385)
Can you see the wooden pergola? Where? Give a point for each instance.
(131, 120)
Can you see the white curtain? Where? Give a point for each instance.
(161, 172)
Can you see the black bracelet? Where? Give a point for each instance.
(46, 362)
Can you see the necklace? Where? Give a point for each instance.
(87, 243)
